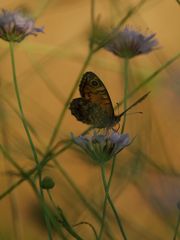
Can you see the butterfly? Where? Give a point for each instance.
(94, 107)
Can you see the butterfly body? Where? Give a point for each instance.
(94, 107)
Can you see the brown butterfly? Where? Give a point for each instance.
(94, 107)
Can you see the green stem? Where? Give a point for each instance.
(177, 227)
(152, 76)
(20, 104)
(129, 13)
(91, 43)
(25, 124)
(111, 202)
(17, 225)
(46, 217)
(65, 224)
(11, 188)
(106, 195)
(63, 220)
(51, 199)
(66, 105)
(88, 224)
(81, 196)
(126, 77)
(24, 174)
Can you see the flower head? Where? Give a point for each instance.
(101, 148)
(14, 26)
(129, 43)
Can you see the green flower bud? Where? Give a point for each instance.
(47, 183)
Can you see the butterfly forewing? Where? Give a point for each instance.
(93, 89)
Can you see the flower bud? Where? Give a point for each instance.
(47, 183)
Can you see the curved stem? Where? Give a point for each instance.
(128, 14)
(106, 195)
(26, 128)
(177, 227)
(91, 42)
(106, 188)
(90, 225)
(17, 225)
(82, 197)
(45, 213)
(20, 104)
(152, 76)
(66, 105)
(126, 63)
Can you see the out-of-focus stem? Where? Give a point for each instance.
(126, 63)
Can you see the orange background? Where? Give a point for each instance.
(47, 67)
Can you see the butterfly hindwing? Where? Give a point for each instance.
(89, 112)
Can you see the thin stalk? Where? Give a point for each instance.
(66, 225)
(88, 224)
(51, 199)
(47, 212)
(93, 15)
(20, 104)
(152, 76)
(11, 188)
(63, 220)
(112, 205)
(17, 225)
(106, 195)
(17, 166)
(46, 217)
(55, 208)
(126, 78)
(92, 23)
(81, 196)
(177, 228)
(41, 8)
(26, 128)
(129, 13)
(44, 161)
(66, 105)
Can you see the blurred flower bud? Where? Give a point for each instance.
(47, 183)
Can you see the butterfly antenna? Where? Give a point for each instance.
(118, 106)
(135, 103)
(134, 113)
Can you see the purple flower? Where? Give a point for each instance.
(101, 148)
(14, 26)
(129, 43)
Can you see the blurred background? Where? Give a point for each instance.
(145, 186)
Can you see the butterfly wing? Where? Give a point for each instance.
(93, 89)
(89, 113)
(95, 106)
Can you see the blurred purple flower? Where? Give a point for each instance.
(14, 26)
(101, 148)
(129, 43)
